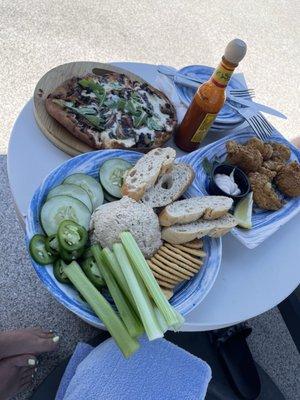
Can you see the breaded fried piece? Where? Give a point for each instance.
(273, 165)
(270, 168)
(280, 152)
(246, 157)
(268, 172)
(288, 179)
(263, 193)
(265, 149)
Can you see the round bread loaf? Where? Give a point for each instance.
(109, 220)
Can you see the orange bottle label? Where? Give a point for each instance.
(203, 128)
(222, 75)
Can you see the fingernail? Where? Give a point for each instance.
(55, 339)
(31, 361)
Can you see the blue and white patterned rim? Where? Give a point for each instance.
(265, 223)
(187, 296)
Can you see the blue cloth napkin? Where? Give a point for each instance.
(159, 370)
(80, 353)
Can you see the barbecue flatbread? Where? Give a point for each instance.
(113, 111)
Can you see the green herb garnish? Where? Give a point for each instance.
(154, 124)
(89, 113)
(95, 87)
(135, 97)
(208, 165)
(121, 104)
(139, 120)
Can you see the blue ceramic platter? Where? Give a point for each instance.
(264, 222)
(187, 295)
(227, 117)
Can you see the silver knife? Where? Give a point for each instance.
(194, 83)
(255, 105)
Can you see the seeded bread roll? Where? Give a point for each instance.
(146, 171)
(110, 219)
(169, 186)
(179, 234)
(189, 210)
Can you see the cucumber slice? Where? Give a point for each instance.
(108, 197)
(90, 185)
(111, 175)
(75, 191)
(60, 208)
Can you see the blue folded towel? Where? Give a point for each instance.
(80, 353)
(159, 370)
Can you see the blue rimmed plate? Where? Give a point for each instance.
(264, 223)
(227, 117)
(187, 295)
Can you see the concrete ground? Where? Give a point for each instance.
(38, 35)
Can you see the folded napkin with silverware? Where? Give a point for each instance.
(239, 96)
(239, 111)
(159, 370)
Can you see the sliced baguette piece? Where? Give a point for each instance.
(169, 186)
(146, 171)
(189, 210)
(179, 234)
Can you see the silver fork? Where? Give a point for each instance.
(262, 128)
(247, 93)
(194, 82)
(189, 81)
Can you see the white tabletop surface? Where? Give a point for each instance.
(250, 281)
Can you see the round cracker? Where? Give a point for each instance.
(179, 260)
(160, 270)
(167, 292)
(194, 252)
(162, 277)
(195, 244)
(173, 264)
(184, 257)
(165, 284)
(170, 269)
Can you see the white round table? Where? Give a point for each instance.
(250, 282)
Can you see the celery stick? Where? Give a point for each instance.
(157, 314)
(172, 317)
(116, 270)
(151, 306)
(162, 322)
(102, 309)
(139, 294)
(127, 315)
(180, 321)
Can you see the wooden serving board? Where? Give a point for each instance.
(55, 132)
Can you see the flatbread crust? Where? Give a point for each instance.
(90, 135)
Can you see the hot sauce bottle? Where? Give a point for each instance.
(209, 99)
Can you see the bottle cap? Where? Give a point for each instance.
(235, 51)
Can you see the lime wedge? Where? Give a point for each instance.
(243, 211)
